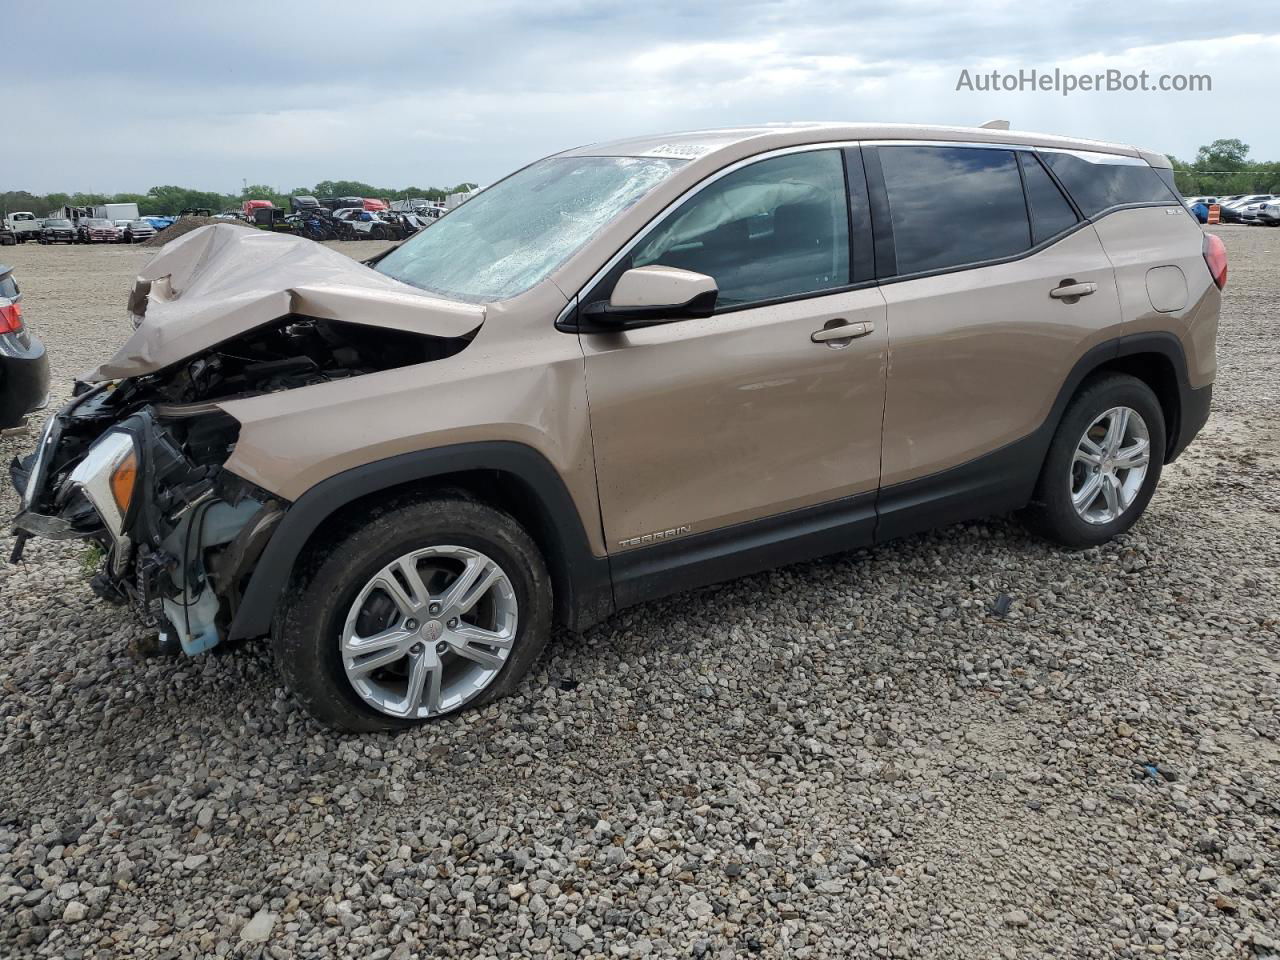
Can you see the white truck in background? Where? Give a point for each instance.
(24, 225)
(115, 211)
(458, 199)
(103, 211)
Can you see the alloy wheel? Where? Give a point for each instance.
(429, 631)
(1109, 465)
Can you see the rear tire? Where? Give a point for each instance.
(316, 636)
(1090, 489)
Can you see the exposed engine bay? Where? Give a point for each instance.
(136, 465)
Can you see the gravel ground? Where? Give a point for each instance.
(850, 758)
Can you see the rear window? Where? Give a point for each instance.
(954, 205)
(1100, 181)
(8, 287)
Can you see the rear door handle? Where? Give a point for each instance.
(841, 330)
(1072, 291)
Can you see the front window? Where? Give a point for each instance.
(507, 238)
(57, 223)
(774, 229)
(98, 223)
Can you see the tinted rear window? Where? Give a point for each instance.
(1098, 182)
(954, 205)
(1051, 214)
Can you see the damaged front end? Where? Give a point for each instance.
(137, 466)
(144, 480)
(135, 462)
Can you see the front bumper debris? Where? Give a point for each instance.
(179, 547)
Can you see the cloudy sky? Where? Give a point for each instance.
(124, 95)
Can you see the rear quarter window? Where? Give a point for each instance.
(8, 288)
(1051, 214)
(1099, 182)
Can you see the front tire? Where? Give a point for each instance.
(1103, 464)
(420, 610)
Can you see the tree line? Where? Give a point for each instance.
(1220, 168)
(1223, 168)
(172, 199)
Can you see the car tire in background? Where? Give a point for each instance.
(352, 604)
(1103, 463)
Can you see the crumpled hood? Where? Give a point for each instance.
(220, 281)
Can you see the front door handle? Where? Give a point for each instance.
(1070, 291)
(842, 330)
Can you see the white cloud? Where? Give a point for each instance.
(425, 94)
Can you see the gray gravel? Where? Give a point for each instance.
(851, 758)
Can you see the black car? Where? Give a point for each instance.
(24, 368)
(58, 231)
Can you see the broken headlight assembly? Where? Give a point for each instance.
(107, 479)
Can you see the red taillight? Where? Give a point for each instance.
(1215, 255)
(11, 318)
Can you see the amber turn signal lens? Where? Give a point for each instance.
(123, 478)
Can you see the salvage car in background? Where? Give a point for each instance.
(357, 223)
(1233, 209)
(1249, 211)
(57, 230)
(135, 231)
(24, 225)
(1269, 213)
(97, 230)
(24, 367)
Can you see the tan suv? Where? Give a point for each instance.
(626, 370)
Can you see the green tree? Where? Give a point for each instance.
(173, 199)
(258, 191)
(1222, 155)
(345, 188)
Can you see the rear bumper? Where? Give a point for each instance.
(24, 379)
(1192, 417)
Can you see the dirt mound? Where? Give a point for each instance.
(185, 225)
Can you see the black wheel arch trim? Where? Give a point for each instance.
(583, 589)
